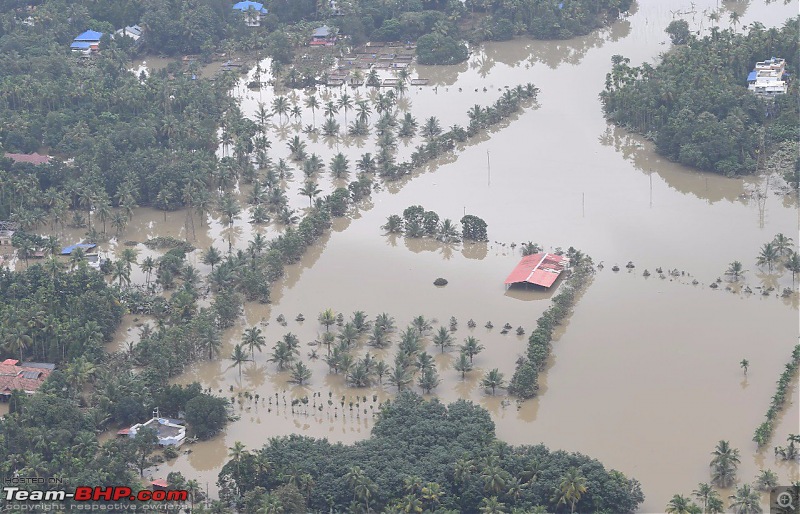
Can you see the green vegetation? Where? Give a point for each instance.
(401, 467)
(525, 381)
(764, 431)
(715, 125)
(439, 49)
(417, 222)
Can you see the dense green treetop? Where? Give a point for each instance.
(450, 449)
(695, 104)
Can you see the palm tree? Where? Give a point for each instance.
(746, 500)
(735, 269)
(783, 244)
(236, 453)
(431, 128)
(724, 464)
(443, 339)
(239, 356)
(463, 365)
(327, 318)
(211, 257)
(530, 248)
(705, 493)
(744, 365)
(421, 324)
(492, 380)
(253, 339)
(310, 190)
(680, 505)
(121, 272)
(471, 347)
(297, 147)
(366, 163)
(364, 111)
(17, 339)
(300, 373)
(339, 166)
(769, 255)
(571, 488)
(766, 480)
(428, 379)
(312, 103)
(330, 110)
(793, 264)
(280, 106)
(400, 377)
(492, 505)
(345, 103)
(147, 266)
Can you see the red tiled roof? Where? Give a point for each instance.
(541, 269)
(32, 158)
(24, 378)
(159, 482)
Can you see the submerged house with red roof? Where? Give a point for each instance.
(539, 269)
(25, 377)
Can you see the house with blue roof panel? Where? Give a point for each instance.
(252, 11)
(87, 42)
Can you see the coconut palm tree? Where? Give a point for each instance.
(339, 166)
(783, 244)
(571, 488)
(330, 110)
(724, 464)
(297, 147)
(443, 339)
(421, 324)
(366, 163)
(768, 256)
(363, 111)
(706, 495)
(471, 347)
(239, 356)
(236, 453)
(280, 106)
(300, 373)
(793, 264)
(746, 500)
(400, 377)
(431, 129)
(310, 190)
(447, 231)
(345, 103)
(121, 272)
(680, 505)
(211, 257)
(253, 339)
(766, 480)
(428, 380)
(735, 269)
(327, 318)
(463, 365)
(312, 103)
(492, 380)
(491, 505)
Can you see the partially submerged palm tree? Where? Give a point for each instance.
(239, 356)
(735, 269)
(768, 256)
(492, 380)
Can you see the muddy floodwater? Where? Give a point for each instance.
(644, 375)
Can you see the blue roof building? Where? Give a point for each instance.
(252, 12)
(92, 36)
(87, 42)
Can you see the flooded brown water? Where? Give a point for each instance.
(644, 376)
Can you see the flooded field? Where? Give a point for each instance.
(644, 375)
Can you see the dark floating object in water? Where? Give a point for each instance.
(748, 290)
(646, 273)
(630, 265)
(520, 331)
(659, 270)
(300, 317)
(471, 323)
(713, 285)
(504, 331)
(615, 268)
(440, 282)
(489, 324)
(507, 326)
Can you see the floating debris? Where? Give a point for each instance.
(646, 273)
(471, 323)
(659, 270)
(453, 324)
(714, 285)
(520, 331)
(441, 282)
(615, 268)
(489, 324)
(300, 317)
(504, 331)
(507, 326)
(630, 265)
(695, 282)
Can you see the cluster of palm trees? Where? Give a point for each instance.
(724, 464)
(745, 500)
(779, 251)
(417, 222)
(764, 431)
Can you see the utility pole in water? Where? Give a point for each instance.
(488, 168)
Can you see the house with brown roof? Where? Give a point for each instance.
(31, 158)
(22, 377)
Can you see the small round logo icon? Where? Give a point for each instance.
(785, 500)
